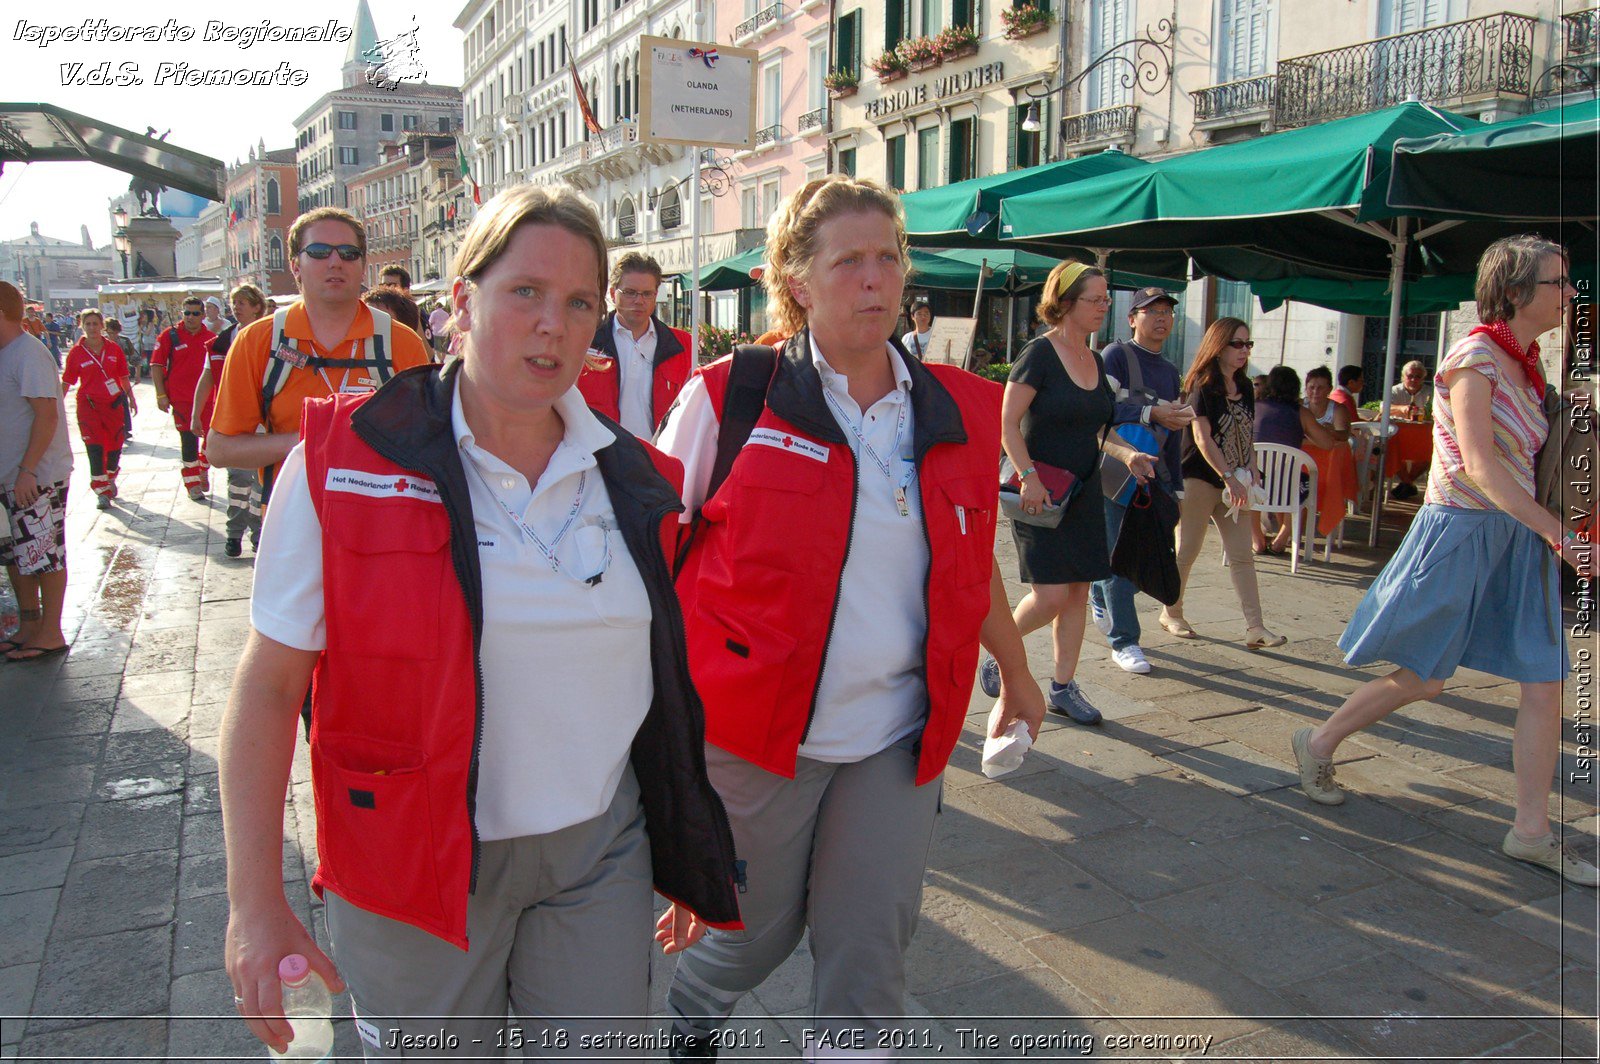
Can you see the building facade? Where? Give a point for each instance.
(211, 235)
(340, 135)
(63, 275)
(392, 199)
(261, 204)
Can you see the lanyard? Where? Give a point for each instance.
(549, 551)
(95, 359)
(901, 502)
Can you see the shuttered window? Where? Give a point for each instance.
(1108, 26)
(1242, 33)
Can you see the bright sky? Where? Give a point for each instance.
(221, 122)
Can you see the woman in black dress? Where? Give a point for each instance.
(1057, 407)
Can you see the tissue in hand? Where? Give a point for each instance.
(1004, 754)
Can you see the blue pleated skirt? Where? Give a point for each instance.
(1472, 589)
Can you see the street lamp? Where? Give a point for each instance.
(119, 238)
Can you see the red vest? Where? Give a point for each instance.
(601, 383)
(395, 721)
(760, 585)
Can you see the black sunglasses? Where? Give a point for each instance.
(347, 252)
(1246, 344)
(193, 314)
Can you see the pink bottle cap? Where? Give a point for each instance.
(293, 968)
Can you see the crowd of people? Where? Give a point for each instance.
(571, 620)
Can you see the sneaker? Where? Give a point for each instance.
(103, 502)
(989, 676)
(1101, 617)
(255, 540)
(1131, 659)
(1548, 852)
(232, 547)
(197, 494)
(1068, 699)
(1316, 773)
(688, 1047)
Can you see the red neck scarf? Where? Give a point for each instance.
(1500, 333)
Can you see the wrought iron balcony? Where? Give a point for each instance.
(770, 13)
(1248, 96)
(627, 225)
(671, 216)
(1582, 29)
(1107, 124)
(1481, 57)
(769, 135)
(811, 120)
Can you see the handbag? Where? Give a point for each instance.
(1061, 486)
(1116, 479)
(1145, 552)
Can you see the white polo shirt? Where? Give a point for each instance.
(566, 664)
(636, 369)
(872, 693)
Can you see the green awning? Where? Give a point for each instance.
(1288, 204)
(942, 268)
(1421, 295)
(1535, 167)
(972, 208)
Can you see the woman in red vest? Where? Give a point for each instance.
(506, 749)
(838, 584)
(100, 370)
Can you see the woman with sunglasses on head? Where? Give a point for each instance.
(1055, 420)
(1476, 583)
(506, 749)
(1219, 466)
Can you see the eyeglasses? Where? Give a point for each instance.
(193, 314)
(1560, 282)
(633, 294)
(1245, 345)
(1103, 301)
(319, 251)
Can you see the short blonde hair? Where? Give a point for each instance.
(490, 233)
(251, 293)
(792, 236)
(1054, 303)
(91, 312)
(1508, 274)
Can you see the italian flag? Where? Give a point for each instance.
(466, 173)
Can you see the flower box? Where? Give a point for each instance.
(841, 91)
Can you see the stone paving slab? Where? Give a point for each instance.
(1133, 890)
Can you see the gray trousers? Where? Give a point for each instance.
(560, 931)
(840, 850)
(244, 502)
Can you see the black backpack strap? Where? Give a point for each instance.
(748, 378)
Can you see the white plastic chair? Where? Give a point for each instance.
(1280, 468)
(1363, 441)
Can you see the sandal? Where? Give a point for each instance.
(8, 645)
(33, 653)
(1179, 627)
(1258, 638)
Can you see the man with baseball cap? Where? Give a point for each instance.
(1147, 394)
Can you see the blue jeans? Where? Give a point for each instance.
(1115, 594)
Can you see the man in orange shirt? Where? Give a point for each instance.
(329, 342)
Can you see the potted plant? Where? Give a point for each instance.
(957, 42)
(840, 83)
(890, 66)
(1025, 21)
(920, 53)
(716, 341)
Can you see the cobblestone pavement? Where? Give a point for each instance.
(1150, 889)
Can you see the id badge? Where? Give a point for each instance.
(286, 352)
(112, 387)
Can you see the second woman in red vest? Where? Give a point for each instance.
(839, 583)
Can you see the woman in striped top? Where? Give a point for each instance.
(1476, 583)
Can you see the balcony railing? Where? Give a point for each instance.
(615, 136)
(1582, 29)
(627, 225)
(1489, 56)
(811, 120)
(770, 13)
(575, 154)
(769, 135)
(1247, 96)
(1110, 123)
(672, 216)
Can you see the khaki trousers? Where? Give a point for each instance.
(1202, 504)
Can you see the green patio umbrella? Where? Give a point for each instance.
(971, 209)
(733, 272)
(1535, 167)
(1370, 298)
(1011, 270)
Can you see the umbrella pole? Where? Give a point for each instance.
(1397, 281)
(1011, 326)
(977, 300)
(694, 265)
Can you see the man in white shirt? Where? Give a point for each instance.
(646, 361)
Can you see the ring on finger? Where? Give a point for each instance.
(237, 1000)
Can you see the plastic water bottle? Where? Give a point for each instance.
(307, 1006)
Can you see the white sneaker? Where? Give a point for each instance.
(1101, 617)
(1131, 659)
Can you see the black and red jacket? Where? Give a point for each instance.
(760, 583)
(398, 694)
(601, 384)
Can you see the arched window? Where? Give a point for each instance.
(616, 92)
(273, 204)
(670, 208)
(635, 81)
(275, 254)
(627, 89)
(627, 219)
